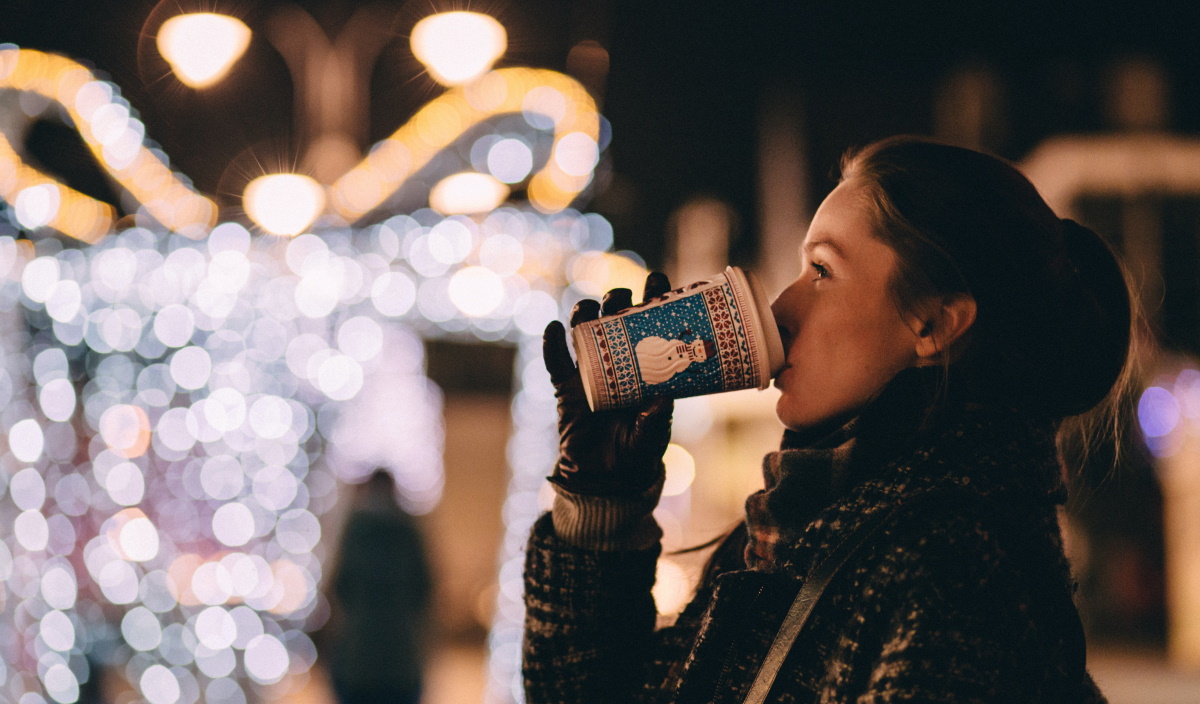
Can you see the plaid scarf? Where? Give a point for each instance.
(797, 484)
(813, 468)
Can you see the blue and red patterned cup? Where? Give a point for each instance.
(711, 336)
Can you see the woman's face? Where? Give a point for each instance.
(843, 335)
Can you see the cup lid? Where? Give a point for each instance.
(764, 323)
(583, 349)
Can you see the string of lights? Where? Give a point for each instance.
(179, 397)
(203, 383)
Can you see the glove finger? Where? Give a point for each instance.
(584, 311)
(616, 300)
(657, 284)
(568, 385)
(659, 410)
(653, 424)
(556, 355)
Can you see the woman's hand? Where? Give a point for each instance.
(604, 453)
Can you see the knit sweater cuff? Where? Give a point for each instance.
(607, 523)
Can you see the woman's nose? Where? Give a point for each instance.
(786, 308)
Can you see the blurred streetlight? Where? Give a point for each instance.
(283, 204)
(201, 47)
(330, 72)
(458, 47)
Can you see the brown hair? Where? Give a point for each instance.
(1055, 317)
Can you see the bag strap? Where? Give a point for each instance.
(824, 572)
(802, 607)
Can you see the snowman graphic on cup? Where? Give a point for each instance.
(661, 359)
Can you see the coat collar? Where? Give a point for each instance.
(895, 449)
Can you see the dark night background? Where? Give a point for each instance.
(686, 82)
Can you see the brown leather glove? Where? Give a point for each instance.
(604, 453)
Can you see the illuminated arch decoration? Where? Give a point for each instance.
(562, 100)
(54, 204)
(116, 140)
(208, 336)
(225, 366)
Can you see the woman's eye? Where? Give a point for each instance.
(821, 271)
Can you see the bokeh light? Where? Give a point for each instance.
(1158, 411)
(1168, 410)
(680, 470)
(217, 425)
(25, 440)
(458, 47)
(201, 47)
(283, 204)
(183, 401)
(116, 138)
(467, 193)
(37, 206)
(553, 106)
(671, 587)
(476, 290)
(510, 160)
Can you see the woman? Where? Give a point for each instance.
(944, 325)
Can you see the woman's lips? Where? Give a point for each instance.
(779, 376)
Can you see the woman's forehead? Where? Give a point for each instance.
(842, 221)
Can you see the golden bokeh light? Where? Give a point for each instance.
(283, 204)
(593, 273)
(467, 193)
(558, 100)
(201, 47)
(114, 137)
(73, 213)
(458, 47)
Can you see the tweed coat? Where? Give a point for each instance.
(945, 604)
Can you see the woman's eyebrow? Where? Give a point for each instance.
(813, 244)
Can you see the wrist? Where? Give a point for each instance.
(608, 523)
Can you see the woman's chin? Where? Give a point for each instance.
(787, 415)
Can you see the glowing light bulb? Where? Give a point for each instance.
(466, 193)
(283, 204)
(201, 47)
(458, 47)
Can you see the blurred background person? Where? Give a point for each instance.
(379, 637)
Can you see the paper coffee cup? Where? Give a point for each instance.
(705, 338)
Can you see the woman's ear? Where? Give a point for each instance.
(944, 324)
